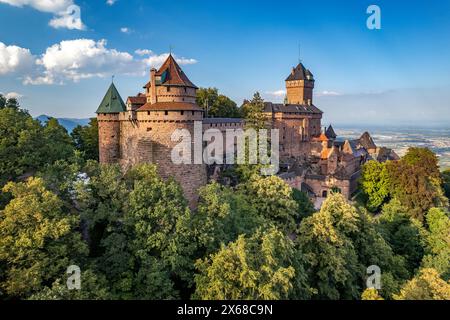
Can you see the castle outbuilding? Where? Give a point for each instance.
(313, 160)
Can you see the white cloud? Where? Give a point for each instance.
(13, 95)
(14, 59)
(327, 93)
(155, 60)
(277, 93)
(67, 14)
(75, 60)
(125, 30)
(143, 52)
(110, 2)
(82, 59)
(52, 6)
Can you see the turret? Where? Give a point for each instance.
(109, 125)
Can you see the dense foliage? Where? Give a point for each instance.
(134, 237)
(217, 105)
(86, 139)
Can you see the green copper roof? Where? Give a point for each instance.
(112, 102)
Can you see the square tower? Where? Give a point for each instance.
(300, 86)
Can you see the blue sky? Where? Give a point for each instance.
(399, 74)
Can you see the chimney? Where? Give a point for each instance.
(153, 84)
(309, 102)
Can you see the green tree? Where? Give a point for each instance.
(2, 101)
(26, 146)
(305, 206)
(437, 242)
(58, 143)
(402, 232)
(8, 102)
(272, 199)
(416, 182)
(222, 215)
(218, 105)
(331, 258)
(38, 240)
(86, 139)
(427, 285)
(375, 184)
(139, 231)
(340, 243)
(256, 267)
(93, 287)
(253, 112)
(446, 181)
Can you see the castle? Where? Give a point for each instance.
(313, 159)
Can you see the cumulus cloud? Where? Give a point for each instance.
(110, 2)
(14, 59)
(66, 13)
(75, 60)
(82, 59)
(125, 30)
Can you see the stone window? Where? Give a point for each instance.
(193, 112)
(182, 113)
(166, 113)
(148, 113)
(149, 129)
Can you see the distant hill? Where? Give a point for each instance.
(67, 123)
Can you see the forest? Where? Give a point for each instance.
(134, 237)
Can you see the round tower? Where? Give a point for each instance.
(171, 106)
(109, 126)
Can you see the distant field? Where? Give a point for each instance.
(400, 139)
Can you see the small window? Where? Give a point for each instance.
(166, 113)
(148, 113)
(168, 89)
(193, 112)
(182, 113)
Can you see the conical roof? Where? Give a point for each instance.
(112, 102)
(171, 74)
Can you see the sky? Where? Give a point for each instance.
(58, 56)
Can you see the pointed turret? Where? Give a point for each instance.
(330, 133)
(112, 102)
(170, 89)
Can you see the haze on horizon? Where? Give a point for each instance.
(399, 75)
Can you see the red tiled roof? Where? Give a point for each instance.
(170, 106)
(171, 74)
(141, 99)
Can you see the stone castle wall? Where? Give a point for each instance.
(147, 139)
